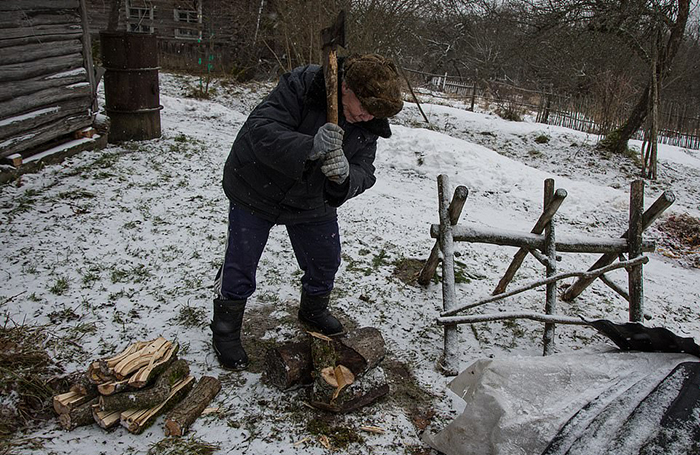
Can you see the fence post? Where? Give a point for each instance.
(636, 228)
(473, 96)
(450, 360)
(551, 253)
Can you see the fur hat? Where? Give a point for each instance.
(375, 81)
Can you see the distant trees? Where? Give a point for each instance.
(602, 49)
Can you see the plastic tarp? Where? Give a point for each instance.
(587, 403)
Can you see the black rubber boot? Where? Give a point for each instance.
(226, 330)
(313, 312)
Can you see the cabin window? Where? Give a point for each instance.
(139, 17)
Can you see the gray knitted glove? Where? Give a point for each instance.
(335, 166)
(329, 137)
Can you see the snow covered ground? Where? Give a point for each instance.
(122, 244)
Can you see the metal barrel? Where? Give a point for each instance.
(132, 93)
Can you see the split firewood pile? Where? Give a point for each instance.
(341, 372)
(134, 387)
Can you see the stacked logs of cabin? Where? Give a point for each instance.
(134, 387)
(46, 74)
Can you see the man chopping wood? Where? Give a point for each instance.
(290, 166)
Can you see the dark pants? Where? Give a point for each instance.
(316, 246)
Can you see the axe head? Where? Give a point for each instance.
(334, 35)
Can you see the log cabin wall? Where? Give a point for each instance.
(47, 84)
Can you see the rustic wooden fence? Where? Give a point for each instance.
(679, 123)
(542, 243)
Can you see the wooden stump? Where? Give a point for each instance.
(291, 365)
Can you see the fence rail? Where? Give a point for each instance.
(679, 124)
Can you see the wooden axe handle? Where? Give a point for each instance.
(331, 77)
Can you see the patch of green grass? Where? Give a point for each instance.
(380, 259)
(189, 316)
(64, 315)
(182, 446)
(60, 286)
(25, 202)
(90, 276)
(542, 139)
(77, 194)
(339, 436)
(136, 274)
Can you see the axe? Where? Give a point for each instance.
(331, 38)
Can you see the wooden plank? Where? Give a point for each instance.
(44, 98)
(46, 133)
(479, 234)
(31, 52)
(28, 122)
(16, 89)
(652, 213)
(45, 66)
(33, 18)
(23, 5)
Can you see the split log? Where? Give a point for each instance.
(291, 365)
(112, 387)
(84, 386)
(136, 421)
(335, 382)
(186, 412)
(329, 375)
(148, 373)
(147, 398)
(98, 374)
(365, 391)
(113, 361)
(145, 356)
(77, 417)
(106, 419)
(66, 402)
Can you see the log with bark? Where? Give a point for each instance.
(291, 365)
(186, 412)
(66, 402)
(78, 416)
(146, 398)
(137, 420)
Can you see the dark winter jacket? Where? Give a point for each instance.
(267, 171)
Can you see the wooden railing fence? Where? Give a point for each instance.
(542, 243)
(679, 123)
